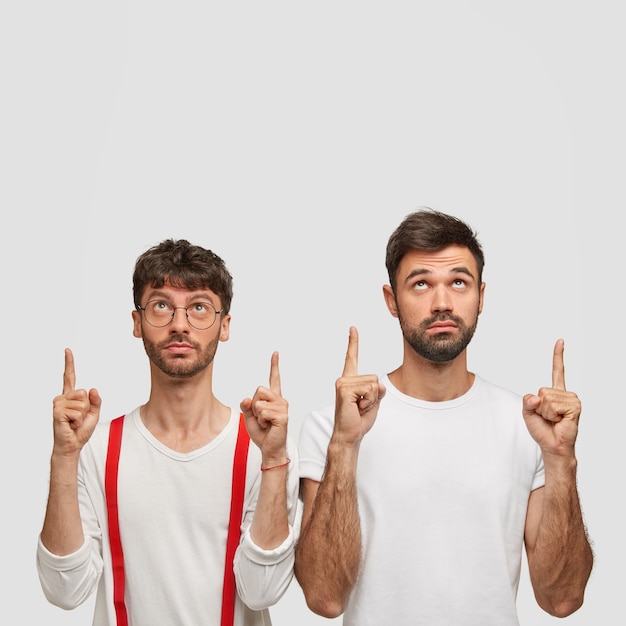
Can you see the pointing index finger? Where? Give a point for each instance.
(69, 375)
(558, 365)
(351, 365)
(275, 374)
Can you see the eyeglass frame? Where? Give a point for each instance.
(175, 308)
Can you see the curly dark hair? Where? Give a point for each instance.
(183, 265)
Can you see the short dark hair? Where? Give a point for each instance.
(430, 230)
(183, 265)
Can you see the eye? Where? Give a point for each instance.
(161, 306)
(200, 307)
(420, 285)
(459, 283)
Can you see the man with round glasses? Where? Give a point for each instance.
(167, 512)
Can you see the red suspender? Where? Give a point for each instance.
(234, 523)
(110, 487)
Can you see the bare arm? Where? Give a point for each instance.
(328, 552)
(266, 415)
(560, 557)
(75, 415)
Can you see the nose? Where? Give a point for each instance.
(441, 299)
(179, 319)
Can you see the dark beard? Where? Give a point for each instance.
(442, 347)
(180, 367)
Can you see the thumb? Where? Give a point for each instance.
(95, 401)
(530, 403)
(246, 405)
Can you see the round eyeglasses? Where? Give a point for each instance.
(160, 313)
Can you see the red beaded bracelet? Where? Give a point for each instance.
(267, 469)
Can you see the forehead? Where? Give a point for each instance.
(175, 293)
(452, 259)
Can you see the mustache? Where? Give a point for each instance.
(443, 317)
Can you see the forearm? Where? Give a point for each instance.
(265, 557)
(270, 524)
(328, 552)
(62, 531)
(561, 559)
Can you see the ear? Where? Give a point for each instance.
(224, 327)
(481, 298)
(390, 300)
(136, 324)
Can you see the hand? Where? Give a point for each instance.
(552, 415)
(356, 397)
(266, 415)
(76, 412)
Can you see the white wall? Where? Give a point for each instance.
(292, 138)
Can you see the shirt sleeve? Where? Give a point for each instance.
(315, 435)
(68, 580)
(263, 576)
(539, 479)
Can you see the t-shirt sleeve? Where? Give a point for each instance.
(315, 434)
(539, 479)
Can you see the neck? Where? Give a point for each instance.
(433, 382)
(184, 414)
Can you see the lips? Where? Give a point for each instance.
(179, 348)
(442, 327)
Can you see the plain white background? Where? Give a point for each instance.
(292, 138)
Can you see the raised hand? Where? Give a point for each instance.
(76, 412)
(266, 415)
(356, 397)
(552, 415)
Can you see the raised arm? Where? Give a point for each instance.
(560, 558)
(328, 552)
(265, 558)
(266, 415)
(75, 415)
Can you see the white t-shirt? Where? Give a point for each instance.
(173, 510)
(443, 489)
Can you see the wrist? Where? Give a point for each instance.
(274, 457)
(556, 464)
(64, 459)
(275, 465)
(342, 456)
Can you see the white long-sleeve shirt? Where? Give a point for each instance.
(173, 515)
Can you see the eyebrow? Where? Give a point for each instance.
(422, 271)
(198, 295)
